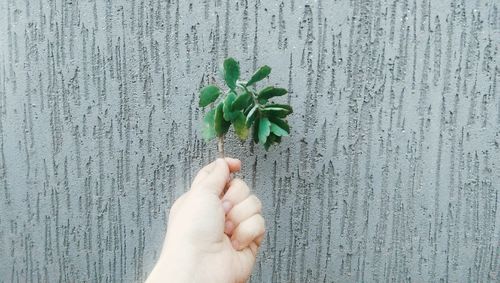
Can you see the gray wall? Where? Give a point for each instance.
(392, 171)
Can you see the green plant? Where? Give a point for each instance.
(244, 107)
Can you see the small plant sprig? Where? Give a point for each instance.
(244, 107)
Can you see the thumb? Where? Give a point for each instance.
(216, 177)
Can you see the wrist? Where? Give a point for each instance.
(177, 264)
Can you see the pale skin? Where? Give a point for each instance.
(214, 230)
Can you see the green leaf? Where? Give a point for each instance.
(208, 130)
(275, 112)
(251, 116)
(229, 114)
(264, 129)
(284, 106)
(231, 72)
(240, 127)
(221, 126)
(208, 95)
(249, 108)
(277, 130)
(242, 101)
(259, 75)
(280, 123)
(272, 139)
(271, 91)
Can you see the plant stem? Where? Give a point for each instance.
(220, 146)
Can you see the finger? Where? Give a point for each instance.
(253, 247)
(228, 227)
(245, 209)
(258, 241)
(248, 231)
(216, 178)
(247, 258)
(233, 164)
(202, 174)
(237, 192)
(248, 255)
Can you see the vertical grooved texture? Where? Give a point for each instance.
(392, 171)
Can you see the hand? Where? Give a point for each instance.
(212, 236)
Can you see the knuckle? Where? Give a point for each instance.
(243, 231)
(260, 225)
(251, 229)
(261, 221)
(247, 229)
(256, 202)
(240, 184)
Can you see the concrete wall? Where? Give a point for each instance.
(392, 171)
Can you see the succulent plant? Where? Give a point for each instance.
(245, 108)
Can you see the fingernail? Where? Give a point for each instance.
(226, 205)
(236, 244)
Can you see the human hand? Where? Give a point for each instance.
(212, 236)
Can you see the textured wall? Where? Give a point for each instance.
(392, 171)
